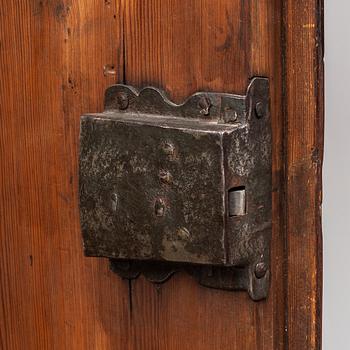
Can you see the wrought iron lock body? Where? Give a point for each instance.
(166, 187)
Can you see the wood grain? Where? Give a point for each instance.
(215, 46)
(303, 102)
(56, 58)
(53, 55)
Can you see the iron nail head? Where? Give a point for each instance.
(260, 270)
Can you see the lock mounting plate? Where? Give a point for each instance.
(167, 187)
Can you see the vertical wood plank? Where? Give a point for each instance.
(303, 21)
(52, 61)
(185, 47)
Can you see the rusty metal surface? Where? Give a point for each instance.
(156, 180)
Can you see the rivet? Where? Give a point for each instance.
(114, 199)
(230, 115)
(165, 176)
(122, 100)
(260, 270)
(168, 148)
(204, 105)
(260, 110)
(183, 233)
(159, 207)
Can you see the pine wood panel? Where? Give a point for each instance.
(56, 59)
(303, 165)
(52, 59)
(216, 46)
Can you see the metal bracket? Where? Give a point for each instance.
(166, 187)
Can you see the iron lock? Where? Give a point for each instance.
(167, 187)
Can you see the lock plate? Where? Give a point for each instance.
(166, 187)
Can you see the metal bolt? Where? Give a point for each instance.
(260, 110)
(122, 100)
(204, 104)
(159, 207)
(260, 270)
(237, 201)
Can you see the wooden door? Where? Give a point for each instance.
(56, 58)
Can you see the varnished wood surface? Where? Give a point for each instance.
(213, 46)
(52, 59)
(56, 59)
(303, 108)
